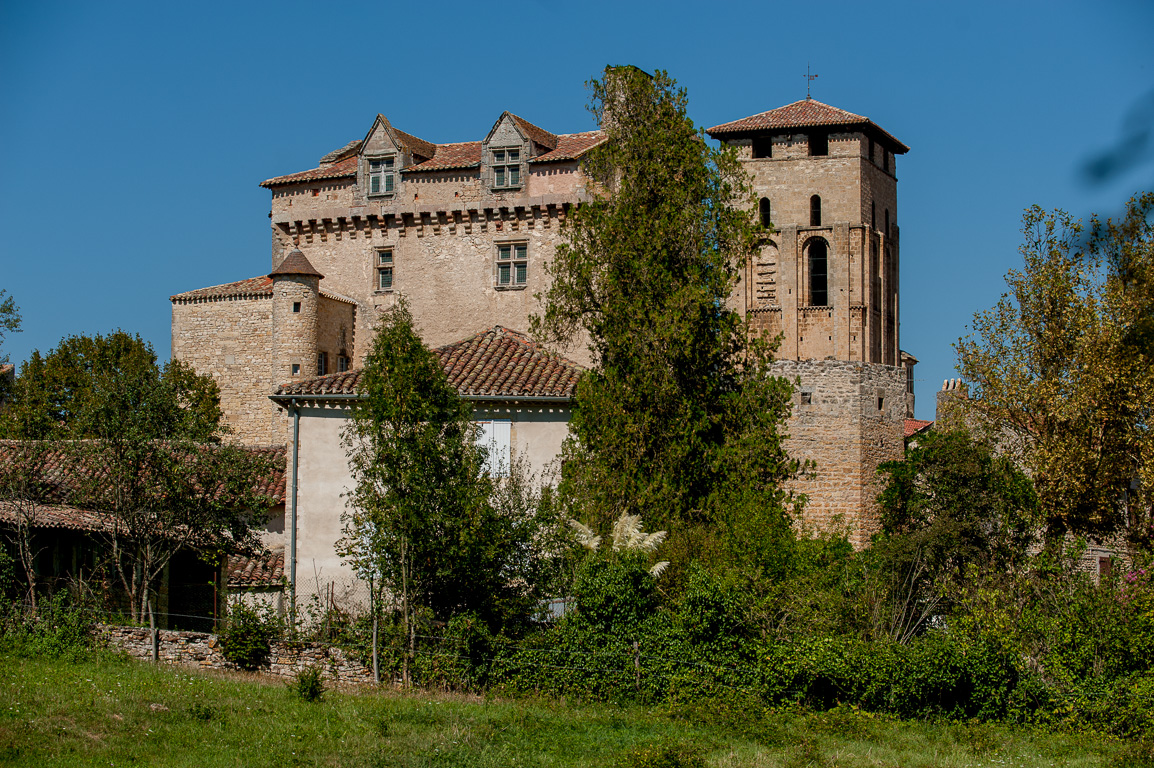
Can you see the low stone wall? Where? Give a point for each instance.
(201, 649)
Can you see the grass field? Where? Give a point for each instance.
(117, 712)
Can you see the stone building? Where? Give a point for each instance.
(462, 231)
(826, 283)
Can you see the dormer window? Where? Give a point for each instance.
(506, 168)
(382, 178)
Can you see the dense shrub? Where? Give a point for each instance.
(247, 635)
(59, 629)
(308, 684)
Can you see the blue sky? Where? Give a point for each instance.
(133, 135)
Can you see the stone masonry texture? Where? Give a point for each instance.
(440, 223)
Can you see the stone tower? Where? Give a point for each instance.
(827, 277)
(295, 303)
(825, 280)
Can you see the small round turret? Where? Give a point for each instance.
(296, 294)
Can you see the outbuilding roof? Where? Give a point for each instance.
(495, 363)
(916, 427)
(59, 465)
(806, 113)
(264, 569)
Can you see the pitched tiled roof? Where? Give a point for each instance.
(418, 147)
(504, 362)
(253, 287)
(465, 154)
(342, 169)
(806, 113)
(495, 363)
(916, 426)
(58, 516)
(571, 146)
(57, 467)
(535, 133)
(296, 264)
(347, 150)
(265, 569)
(440, 157)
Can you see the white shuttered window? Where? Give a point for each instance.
(495, 437)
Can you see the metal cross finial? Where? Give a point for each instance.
(808, 80)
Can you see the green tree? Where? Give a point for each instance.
(953, 510)
(424, 518)
(143, 447)
(72, 392)
(1062, 368)
(679, 420)
(9, 321)
(965, 503)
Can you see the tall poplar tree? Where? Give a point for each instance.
(679, 420)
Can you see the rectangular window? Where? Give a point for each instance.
(512, 265)
(296, 369)
(382, 180)
(322, 363)
(385, 270)
(494, 437)
(506, 168)
(342, 363)
(762, 147)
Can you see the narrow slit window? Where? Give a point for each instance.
(815, 211)
(818, 274)
(764, 210)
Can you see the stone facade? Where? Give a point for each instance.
(847, 419)
(462, 231)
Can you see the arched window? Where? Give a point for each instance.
(763, 209)
(818, 274)
(815, 211)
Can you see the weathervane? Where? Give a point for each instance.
(808, 80)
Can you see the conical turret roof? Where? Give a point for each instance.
(295, 264)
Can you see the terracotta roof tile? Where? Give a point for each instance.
(535, 133)
(495, 363)
(344, 168)
(58, 468)
(296, 264)
(253, 287)
(418, 147)
(265, 569)
(462, 155)
(344, 152)
(571, 146)
(440, 157)
(916, 426)
(806, 113)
